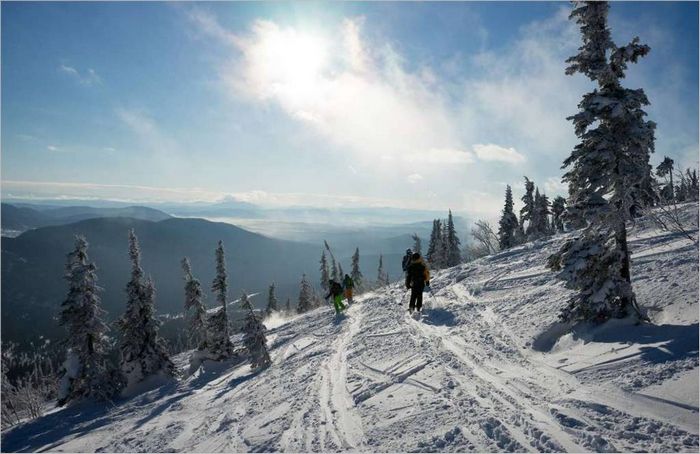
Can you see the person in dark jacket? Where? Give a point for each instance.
(417, 277)
(336, 291)
(348, 285)
(406, 260)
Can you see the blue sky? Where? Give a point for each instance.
(415, 105)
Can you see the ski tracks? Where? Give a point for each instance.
(327, 420)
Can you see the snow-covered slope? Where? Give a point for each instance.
(488, 368)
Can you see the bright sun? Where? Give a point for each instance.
(292, 61)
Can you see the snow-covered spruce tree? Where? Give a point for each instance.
(288, 306)
(604, 171)
(526, 212)
(143, 352)
(453, 256)
(195, 311)
(665, 170)
(84, 374)
(254, 338)
(591, 265)
(341, 274)
(434, 246)
(355, 273)
(219, 345)
(558, 207)
(306, 296)
(334, 269)
(325, 274)
(508, 224)
(271, 301)
(417, 246)
(539, 226)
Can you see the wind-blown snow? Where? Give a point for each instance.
(488, 368)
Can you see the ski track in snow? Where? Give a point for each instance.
(482, 370)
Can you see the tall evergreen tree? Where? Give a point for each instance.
(453, 256)
(143, 352)
(334, 269)
(435, 245)
(254, 338)
(341, 274)
(526, 212)
(665, 169)
(356, 274)
(288, 306)
(219, 343)
(195, 311)
(508, 224)
(558, 207)
(85, 373)
(306, 296)
(325, 274)
(271, 301)
(604, 169)
(417, 246)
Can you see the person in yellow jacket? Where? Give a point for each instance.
(417, 277)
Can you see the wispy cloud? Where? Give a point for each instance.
(89, 77)
(52, 148)
(414, 178)
(358, 97)
(491, 152)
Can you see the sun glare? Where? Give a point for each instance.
(293, 60)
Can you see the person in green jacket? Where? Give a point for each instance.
(348, 285)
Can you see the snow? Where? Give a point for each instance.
(488, 367)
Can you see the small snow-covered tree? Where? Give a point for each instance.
(306, 296)
(508, 223)
(325, 274)
(355, 273)
(483, 234)
(85, 373)
(558, 207)
(606, 168)
(665, 170)
(417, 246)
(288, 306)
(526, 212)
(382, 276)
(195, 311)
(341, 274)
(254, 338)
(453, 256)
(219, 345)
(271, 301)
(143, 351)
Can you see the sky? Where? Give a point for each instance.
(410, 105)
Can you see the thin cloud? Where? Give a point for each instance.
(89, 77)
(492, 152)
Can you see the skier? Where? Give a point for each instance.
(348, 285)
(406, 260)
(417, 278)
(336, 291)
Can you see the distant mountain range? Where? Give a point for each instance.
(33, 262)
(33, 265)
(19, 218)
